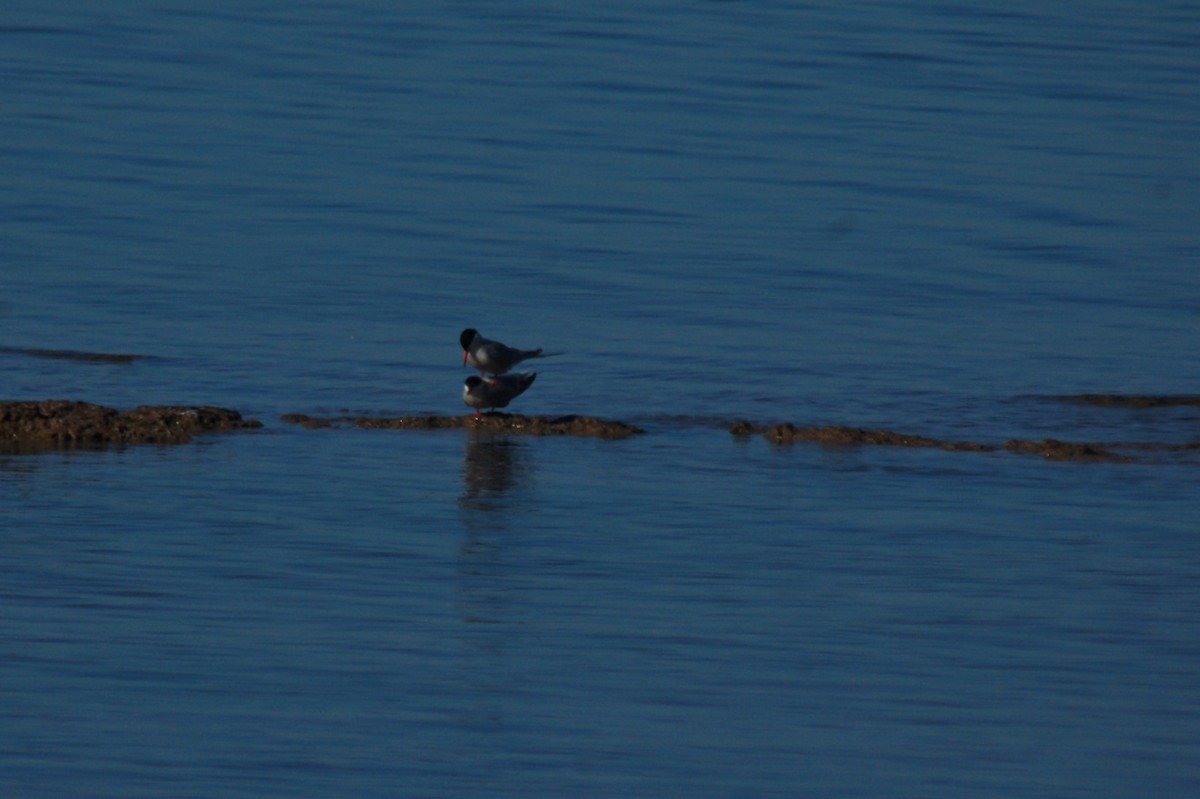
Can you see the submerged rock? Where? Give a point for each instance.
(843, 436)
(572, 425)
(1133, 400)
(75, 355)
(1055, 450)
(742, 428)
(62, 424)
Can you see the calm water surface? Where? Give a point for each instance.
(925, 217)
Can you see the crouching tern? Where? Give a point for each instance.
(496, 392)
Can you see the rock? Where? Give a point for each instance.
(1133, 400)
(840, 435)
(1055, 450)
(742, 428)
(843, 436)
(308, 422)
(75, 355)
(63, 424)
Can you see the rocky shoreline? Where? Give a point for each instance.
(33, 426)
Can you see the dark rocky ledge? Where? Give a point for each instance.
(1049, 448)
(1055, 450)
(31, 426)
(572, 425)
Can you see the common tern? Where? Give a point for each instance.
(496, 392)
(492, 357)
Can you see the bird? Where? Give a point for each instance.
(497, 392)
(492, 357)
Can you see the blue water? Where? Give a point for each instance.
(919, 216)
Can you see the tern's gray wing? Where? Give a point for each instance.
(497, 358)
(505, 388)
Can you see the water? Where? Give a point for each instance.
(921, 216)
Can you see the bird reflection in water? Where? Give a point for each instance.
(496, 474)
(493, 466)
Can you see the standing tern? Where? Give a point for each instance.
(492, 357)
(496, 392)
